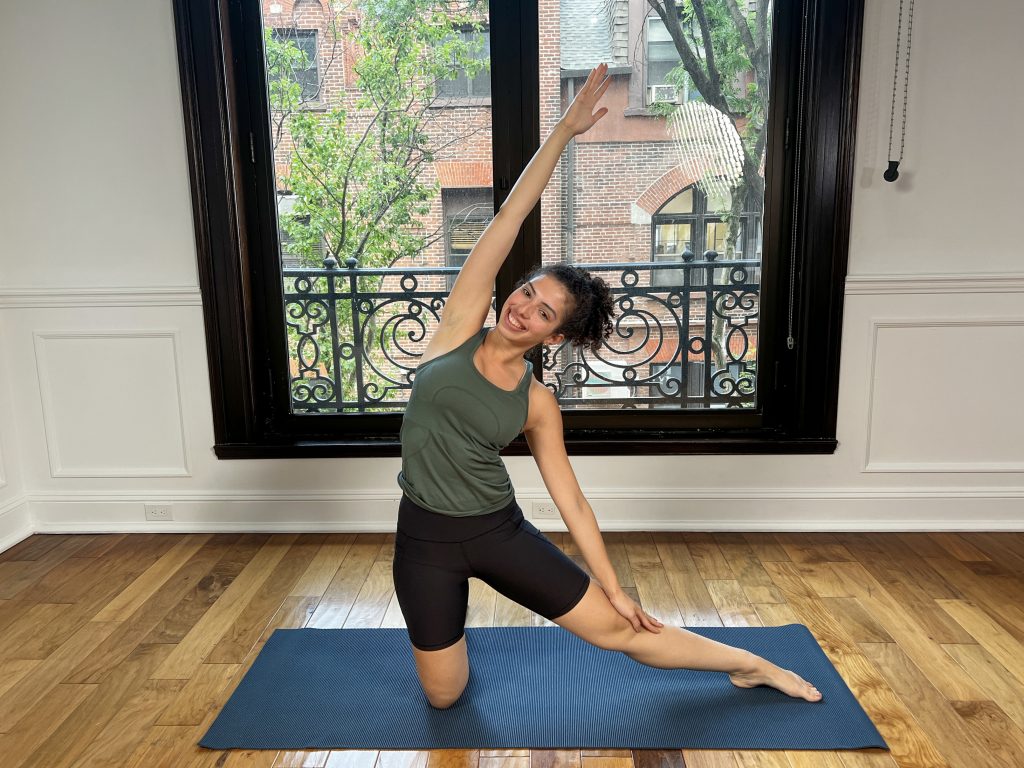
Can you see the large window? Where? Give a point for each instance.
(662, 59)
(317, 359)
(301, 65)
(471, 78)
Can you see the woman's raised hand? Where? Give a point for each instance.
(580, 116)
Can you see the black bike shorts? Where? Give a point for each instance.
(436, 554)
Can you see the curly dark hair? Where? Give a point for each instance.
(590, 321)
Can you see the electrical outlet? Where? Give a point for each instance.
(545, 510)
(159, 512)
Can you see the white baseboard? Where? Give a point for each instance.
(15, 522)
(960, 509)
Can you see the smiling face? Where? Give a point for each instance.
(534, 311)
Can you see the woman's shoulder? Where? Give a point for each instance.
(543, 406)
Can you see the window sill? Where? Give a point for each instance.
(639, 112)
(594, 442)
(446, 102)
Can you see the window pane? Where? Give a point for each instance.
(639, 203)
(382, 189)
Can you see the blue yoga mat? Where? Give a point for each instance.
(530, 687)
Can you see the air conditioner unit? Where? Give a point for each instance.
(662, 93)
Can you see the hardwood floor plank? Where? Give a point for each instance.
(1003, 741)
(374, 595)
(910, 745)
(707, 556)
(555, 758)
(766, 547)
(324, 566)
(443, 758)
(480, 608)
(13, 670)
(997, 594)
(857, 622)
(307, 759)
(402, 759)
(125, 731)
(732, 604)
(35, 546)
(194, 604)
(1003, 688)
(132, 632)
(206, 690)
(31, 636)
(341, 593)
(208, 631)
(709, 758)
(63, 748)
(240, 637)
(129, 600)
(17, 576)
(757, 584)
(257, 758)
(615, 544)
(958, 546)
(893, 616)
(39, 721)
(814, 548)
(931, 709)
(990, 635)
(358, 759)
(45, 677)
(651, 579)
(658, 758)
(776, 614)
(694, 603)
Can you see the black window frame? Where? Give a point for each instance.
(231, 174)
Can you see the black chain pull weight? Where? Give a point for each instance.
(893, 171)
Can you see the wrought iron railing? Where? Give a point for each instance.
(356, 335)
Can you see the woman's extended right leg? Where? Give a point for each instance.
(595, 620)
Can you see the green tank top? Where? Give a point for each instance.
(455, 423)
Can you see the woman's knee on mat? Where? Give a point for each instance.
(444, 673)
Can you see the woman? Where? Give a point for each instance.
(473, 393)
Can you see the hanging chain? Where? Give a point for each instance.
(790, 341)
(892, 173)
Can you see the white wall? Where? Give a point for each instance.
(103, 351)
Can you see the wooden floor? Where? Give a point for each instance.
(118, 650)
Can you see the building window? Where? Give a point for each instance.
(464, 84)
(662, 58)
(687, 227)
(304, 70)
(467, 212)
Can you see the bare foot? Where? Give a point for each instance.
(763, 672)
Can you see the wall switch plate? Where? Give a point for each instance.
(159, 512)
(545, 510)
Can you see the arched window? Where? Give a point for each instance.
(689, 225)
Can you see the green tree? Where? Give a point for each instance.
(724, 50)
(357, 164)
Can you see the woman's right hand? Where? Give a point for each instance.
(580, 116)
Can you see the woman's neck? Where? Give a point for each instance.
(500, 350)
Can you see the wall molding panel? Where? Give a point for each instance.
(156, 296)
(932, 414)
(16, 522)
(78, 430)
(908, 284)
(812, 509)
